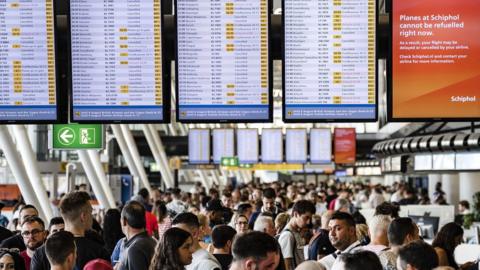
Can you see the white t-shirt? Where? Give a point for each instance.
(202, 260)
(330, 260)
(291, 241)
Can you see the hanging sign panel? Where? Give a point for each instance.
(27, 62)
(199, 146)
(117, 65)
(434, 67)
(272, 145)
(223, 144)
(329, 60)
(223, 64)
(296, 145)
(247, 145)
(320, 146)
(345, 145)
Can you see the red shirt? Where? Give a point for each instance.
(26, 258)
(152, 224)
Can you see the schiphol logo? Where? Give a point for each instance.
(66, 136)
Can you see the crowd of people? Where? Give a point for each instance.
(283, 226)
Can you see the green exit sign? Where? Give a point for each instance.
(77, 137)
(229, 161)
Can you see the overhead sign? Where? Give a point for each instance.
(27, 62)
(434, 67)
(77, 137)
(345, 145)
(117, 65)
(329, 60)
(223, 67)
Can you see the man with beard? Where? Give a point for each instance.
(34, 235)
(342, 235)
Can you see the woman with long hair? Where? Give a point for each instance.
(112, 230)
(174, 251)
(447, 239)
(163, 219)
(11, 260)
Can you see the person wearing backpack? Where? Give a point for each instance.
(290, 240)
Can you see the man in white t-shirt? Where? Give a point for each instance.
(342, 235)
(290, 240)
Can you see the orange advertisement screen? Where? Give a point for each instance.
(345, 145)
(435, 64)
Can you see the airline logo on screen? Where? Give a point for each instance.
(463, 99)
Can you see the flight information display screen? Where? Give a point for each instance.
(27, 61)
(223, 144)
(199, 146)
(117, 68)
(223, 62)
(272, 146)
(296, 144)
(247, 145)
(320, 145)
(329, 60)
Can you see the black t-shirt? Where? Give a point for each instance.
(15, 241)
(224, 259)
(4, 233)
(87, 250)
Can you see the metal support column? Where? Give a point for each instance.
(117, 132)
(102, 178)
(31, 167)
(156, 155)
(204, 180)
(93, 179)
(136, 156)
(161, 150)
(18, 170)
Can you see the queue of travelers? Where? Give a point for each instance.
(256, 226)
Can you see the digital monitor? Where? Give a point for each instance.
(247, 145)
(117, 63)
(428, 225)
(296, 145)
(467, 161)
(423, 163)
(396, 164)
(272, 145)
(345, 145)
(223, 66)
(329, 60)
(199, 146)
(444, 161)
(434, 64)
(223, 144)
(320, 145)
(28, 91)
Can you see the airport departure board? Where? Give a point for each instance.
(296, 144)
(116, 61)
(223, 144)
(320, 145)
(329, 60)
(199, 146)
(223, 61)
(247, 145)
(272, 145)
(27, 61)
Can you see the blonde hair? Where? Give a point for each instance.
(362, 231)
(281, 220)
(379, 225)
(203, 220)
